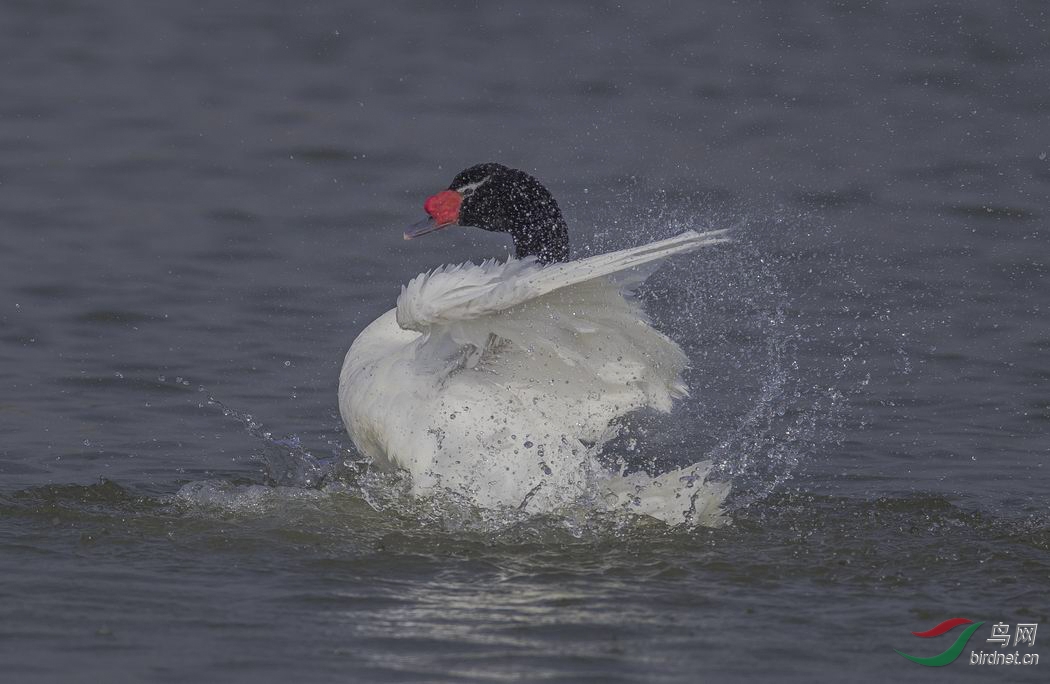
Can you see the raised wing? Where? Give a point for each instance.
(470, 291)
(563, 342)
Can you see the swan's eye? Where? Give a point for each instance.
(467, 192)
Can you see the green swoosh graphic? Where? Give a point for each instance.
(949, 655)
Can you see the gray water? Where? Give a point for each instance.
(201, 206)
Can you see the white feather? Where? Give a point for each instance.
(497, 381)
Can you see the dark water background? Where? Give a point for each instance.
(201, 206)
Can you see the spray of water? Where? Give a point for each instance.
(770, 380)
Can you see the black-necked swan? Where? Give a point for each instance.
(499, 382)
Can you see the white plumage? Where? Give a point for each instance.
(498, 382)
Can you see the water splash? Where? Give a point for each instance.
(294, 475)
(770, 385)
(286, 462)
(772, 376)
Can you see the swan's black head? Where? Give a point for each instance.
(497, 198)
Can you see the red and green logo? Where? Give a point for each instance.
(954, 650)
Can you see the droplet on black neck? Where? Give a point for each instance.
(549, 243)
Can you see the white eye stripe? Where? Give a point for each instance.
(469, 188)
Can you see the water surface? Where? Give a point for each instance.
(201, 207)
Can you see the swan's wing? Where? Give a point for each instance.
(561, 340)
(469, 291)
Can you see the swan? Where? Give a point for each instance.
(497, 383)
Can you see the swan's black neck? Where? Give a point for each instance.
(547, 240)
(506, 200)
